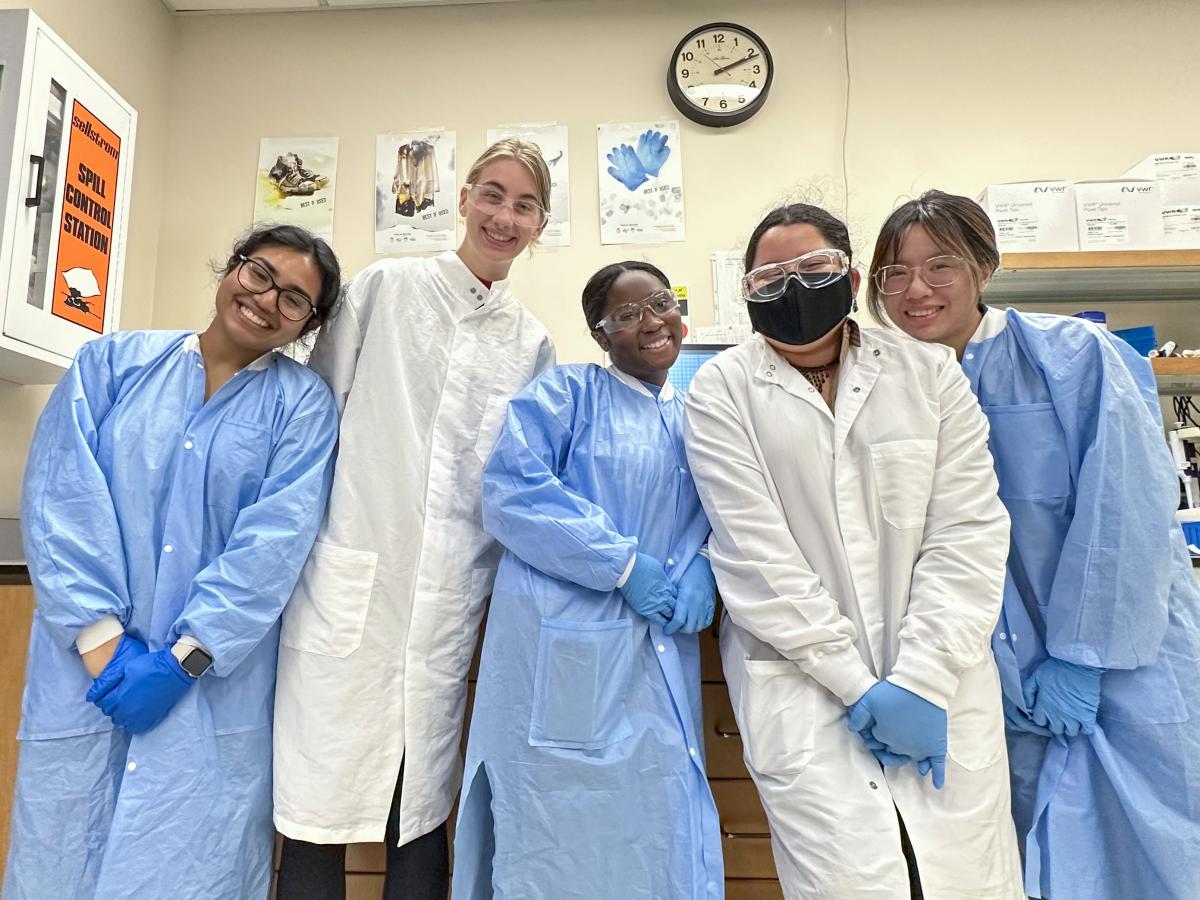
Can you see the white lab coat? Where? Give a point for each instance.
(379, 634)
(849, 547)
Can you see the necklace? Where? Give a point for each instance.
(818, 375)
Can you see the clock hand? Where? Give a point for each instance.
(737, 62)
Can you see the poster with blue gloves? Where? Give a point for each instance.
(641, 183)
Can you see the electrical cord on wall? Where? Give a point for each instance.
(846, 112)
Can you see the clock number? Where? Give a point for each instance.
(684, 73)
(752, 84)
(724, 105)
(750, 55)
(705, 99)
(741, 99)
(700, 43)
(758, 70)
(687, 56)
(718, 37)
(735, 41)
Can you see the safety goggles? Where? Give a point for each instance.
(813, 270)
(937, 271)
(661, 303)
(491, 200)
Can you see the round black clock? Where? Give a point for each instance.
(720, 74)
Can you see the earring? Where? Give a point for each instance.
(854, 305)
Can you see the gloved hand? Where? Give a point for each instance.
(653, 151)
(880, 751)
(1063, 696)
(152, 685)
(907, 725)
(128, 648)
(649, 591)
(696, 596)
(1016, 719)
(626, 167)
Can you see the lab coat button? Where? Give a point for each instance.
(874, 786)
(857, 390)
(670, 562)
(131, 766)
(970, 356)
(812, 390)
(167, 548)
(876, 352)
(692, 751)
(662, 648)
(187, 445)
(1003, 636)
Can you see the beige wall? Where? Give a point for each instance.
(130, 43)
(953, 94)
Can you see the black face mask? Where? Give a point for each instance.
(801, 315)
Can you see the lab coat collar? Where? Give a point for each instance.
(994, 322)
(464, 284)
(664, 396)
(192, 345)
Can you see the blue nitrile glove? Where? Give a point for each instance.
(1016, 719)
(626, 167)
(152, 685)
(649, 591)
(696, 596)
(907, 725)
(128, 648)
(880, 751)
(1063, 696)
(653, 151)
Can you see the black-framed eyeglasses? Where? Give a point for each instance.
(254, 277)
(629, 315)
(937, 271)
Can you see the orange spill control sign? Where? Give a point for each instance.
(85, 236)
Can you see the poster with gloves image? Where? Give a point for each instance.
(416, 199)
(641, 183)
(295, 183)
(552, 141)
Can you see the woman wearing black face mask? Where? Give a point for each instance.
(859, 547)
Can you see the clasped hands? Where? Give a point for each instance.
(899, 727)
(137, 688)
(686, 606)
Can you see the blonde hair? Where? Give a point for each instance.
(527, 154)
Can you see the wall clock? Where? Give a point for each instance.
(720, 74)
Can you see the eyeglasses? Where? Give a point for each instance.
(491, 200)
(254, 277)
(813, 270)
(937, 271)
(661, 303)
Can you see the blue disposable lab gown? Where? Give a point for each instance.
(178, 517)
(1099, 575)
(585, 771)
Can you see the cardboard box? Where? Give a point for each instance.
(1032, 216)
(1181, 227)
(1124, 214)
(1177, 174)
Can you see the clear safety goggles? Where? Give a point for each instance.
(813, 270)
(490, 200)
(661, 303)
(937, 271)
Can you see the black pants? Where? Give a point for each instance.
(914, 877)
(420, 870)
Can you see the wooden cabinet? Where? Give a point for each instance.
(65, 172)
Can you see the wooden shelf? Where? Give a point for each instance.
(1177, 375)
(1096, 276)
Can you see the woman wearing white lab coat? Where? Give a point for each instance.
(379, 637)
(859, 548)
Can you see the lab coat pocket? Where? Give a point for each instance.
(490, 424)
(1030, 451)
(775, 716)
(582, 678)
(328, 609)
(975, 722)
(904, 480)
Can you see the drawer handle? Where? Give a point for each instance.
(40, 162)
(744, 835)
(726, 731)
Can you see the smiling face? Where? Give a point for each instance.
(251, 323)
(647, 350)
(492, 241)
(945, 315)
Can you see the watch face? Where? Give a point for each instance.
(720, 74)
(196, 663)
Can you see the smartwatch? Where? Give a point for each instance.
(193, 660)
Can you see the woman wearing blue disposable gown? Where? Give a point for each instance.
(1098, 641)
(173, 490)
(585, 772)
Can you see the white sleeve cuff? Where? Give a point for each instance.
(188, 641)
(628, 571)
(98, 633)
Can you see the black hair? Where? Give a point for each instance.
(305, 242)
(831, 227)
(595, 292)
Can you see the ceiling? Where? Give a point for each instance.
(231, 6)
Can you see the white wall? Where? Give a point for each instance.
(942, 93)
(130, 43)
